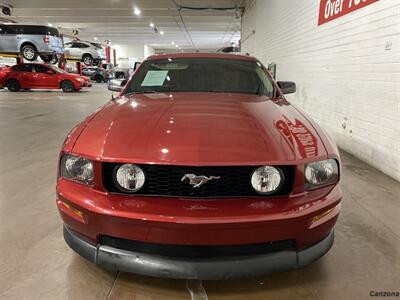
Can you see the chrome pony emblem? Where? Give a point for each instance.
(198, 181)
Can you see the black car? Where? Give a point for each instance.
(97, 74)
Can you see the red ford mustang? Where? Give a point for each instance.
(41, 76)
(200, 169)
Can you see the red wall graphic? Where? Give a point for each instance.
(332, 9)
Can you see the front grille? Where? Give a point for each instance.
(165, 180)
(189, 251)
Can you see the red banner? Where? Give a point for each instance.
(332, 9)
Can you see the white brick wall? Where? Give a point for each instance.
(347, 80)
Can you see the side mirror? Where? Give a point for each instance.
(287, 87)
(137, 65)
(117, 85)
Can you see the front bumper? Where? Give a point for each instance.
(201, 269)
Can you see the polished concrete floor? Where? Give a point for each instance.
(35, 263)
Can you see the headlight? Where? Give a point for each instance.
(321, 173)
(77, 168)
(266, 180)
(129, 177)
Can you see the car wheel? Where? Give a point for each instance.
(54, 59)
(13, 85)
(87, 60)
(98, 78)
(29, 52)
(67, 86)
(119, 75)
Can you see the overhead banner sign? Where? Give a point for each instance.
(332, 9)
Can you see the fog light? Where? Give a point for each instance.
(129, 178)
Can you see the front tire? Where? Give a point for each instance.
(87, 59)
(98, 78)
(13, 85)
(120, 75)
(67, 86)
(29, 52)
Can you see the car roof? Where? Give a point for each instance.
(31, 64)
(202, 55)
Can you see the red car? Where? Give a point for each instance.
(3, 72)
(41, 76)
(200, 169)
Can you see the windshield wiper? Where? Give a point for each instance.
(216, 91)
(142, 92)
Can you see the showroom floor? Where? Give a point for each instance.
(35, 263)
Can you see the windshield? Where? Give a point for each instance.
(201, 75)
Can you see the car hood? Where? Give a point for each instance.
(4, 71)
(199, 129)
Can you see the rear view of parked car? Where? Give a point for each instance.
(31, 41)
(89, 53)
(125, 69)
(96, 73)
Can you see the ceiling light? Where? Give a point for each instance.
(50, 24)
(95, 38)
(173, 43)
(162, 32)
(176, 46)
(151, 24)
(136, 11)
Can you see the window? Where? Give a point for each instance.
(9, 29)
(75, 45)
(81, 45)
(22, 68)
(202, 75)
(32, 29)
(41, 69)
(97, 45)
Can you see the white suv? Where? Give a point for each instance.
(31, 41)
(89, 53)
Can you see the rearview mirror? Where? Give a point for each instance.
(287, 87)
(117, 85)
